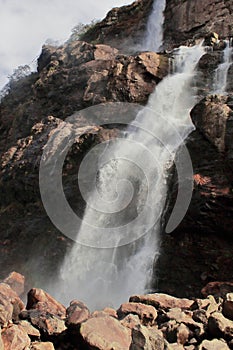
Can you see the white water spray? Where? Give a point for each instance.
(154, 32)
(107, 276)
(221, 73)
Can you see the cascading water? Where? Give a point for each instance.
(221, 73)
(107, 276)
(154, 32)
(121, 224)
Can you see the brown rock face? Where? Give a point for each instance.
(105, 333)
(187, 19)
(123, 27)
(75, 76)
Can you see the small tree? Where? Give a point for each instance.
(18, 74)
(80, 29)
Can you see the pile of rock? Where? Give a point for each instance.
(153, 321)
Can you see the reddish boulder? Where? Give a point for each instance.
(105, 333)
(146, 313)
(16, 282)
(10, 304)
(164, 301)
(15, 338)
(48, 324)
(42, 301)
(76, 313)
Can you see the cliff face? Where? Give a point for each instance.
(187, 19)
(95, 70)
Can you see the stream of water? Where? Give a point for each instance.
(122, 219)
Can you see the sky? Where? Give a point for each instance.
(25, 25)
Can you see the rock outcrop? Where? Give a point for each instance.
(186, 20)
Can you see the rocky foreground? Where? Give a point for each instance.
(150, 322)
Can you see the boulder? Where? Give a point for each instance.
(164, 301)
(219, 326)
(215, 344)
(146, 313)
(144, 338)
(16, 281)
(42, 301)
(76, 313)
(31, 331)
(48, 324)
(15, 338)
(131, 321)
(104, 333)
(10, 304)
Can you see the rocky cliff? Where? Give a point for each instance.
(99, 69)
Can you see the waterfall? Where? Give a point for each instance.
(221, 73)
(121, 224)
(154, 31)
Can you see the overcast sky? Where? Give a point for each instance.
(26, 24)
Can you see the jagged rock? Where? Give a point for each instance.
(42, 346)
(200, 316)
(164, 301)
(146, 339)
(75, 76)
(15, 338)
(123, 27)
(186, 318)
(10, 304)
(211, 117)
(214, 344)
(105, 333)
(48, 324)
(31, 331)
(43, 302)
(16, 282)
(146, 313)
(131, 321)
(76, 313)
(219, 326)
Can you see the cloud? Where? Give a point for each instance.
(25, 25)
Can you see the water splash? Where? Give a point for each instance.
(221, 73)
(132, 173)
